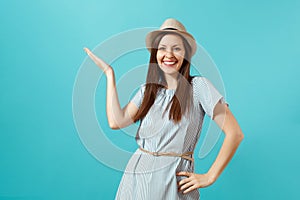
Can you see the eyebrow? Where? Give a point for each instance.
(166, 45)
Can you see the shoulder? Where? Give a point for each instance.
(203, 88)
(140, 90)
(199, 81)
(142, 87)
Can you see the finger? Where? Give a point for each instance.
(183, 174)
(183, 181)
(87, 50)
(193, 187)
(186, 185)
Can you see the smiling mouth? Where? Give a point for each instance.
(169, 63)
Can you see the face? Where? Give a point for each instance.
(170, 54)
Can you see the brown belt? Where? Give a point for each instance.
(185, 155)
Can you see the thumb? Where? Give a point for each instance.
(183, 174)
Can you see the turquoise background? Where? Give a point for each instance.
(255, 45)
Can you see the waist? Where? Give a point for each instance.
(187, 155)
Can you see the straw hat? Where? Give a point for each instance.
(172, 25)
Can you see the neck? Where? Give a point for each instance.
(171, 81)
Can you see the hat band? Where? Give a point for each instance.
(170, 29)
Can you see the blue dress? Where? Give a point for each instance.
(149, 177)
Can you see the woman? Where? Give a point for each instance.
(171, 107)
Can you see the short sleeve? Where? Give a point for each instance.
(138, 97)
(207, 95)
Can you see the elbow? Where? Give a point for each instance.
(236, 136)
(239, 136)
(113, 126)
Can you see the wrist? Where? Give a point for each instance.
(212, 177)
(108, 71)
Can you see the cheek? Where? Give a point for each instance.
(158, 57)
(180, 58)
(180, 55)
(180, 61)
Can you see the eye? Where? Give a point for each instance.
(162, 48)
(177, 49)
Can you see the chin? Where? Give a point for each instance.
(169, 72)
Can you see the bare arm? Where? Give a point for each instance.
(227, 122)
(117, 117)
(233, 137)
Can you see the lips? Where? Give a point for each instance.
(169, 63)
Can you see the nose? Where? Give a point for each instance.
(169, 54)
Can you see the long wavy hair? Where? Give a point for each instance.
(182, 99)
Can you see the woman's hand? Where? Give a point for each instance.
(103, 66)
(193, 181)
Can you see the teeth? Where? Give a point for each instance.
(169, 62)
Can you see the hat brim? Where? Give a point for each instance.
(189, 38)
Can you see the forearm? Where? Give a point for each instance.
(113, 109)
(229, 147)
(115, 114)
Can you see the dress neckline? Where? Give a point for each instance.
(167, 88)
(168, 91)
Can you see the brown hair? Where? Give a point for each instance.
(181, 100)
